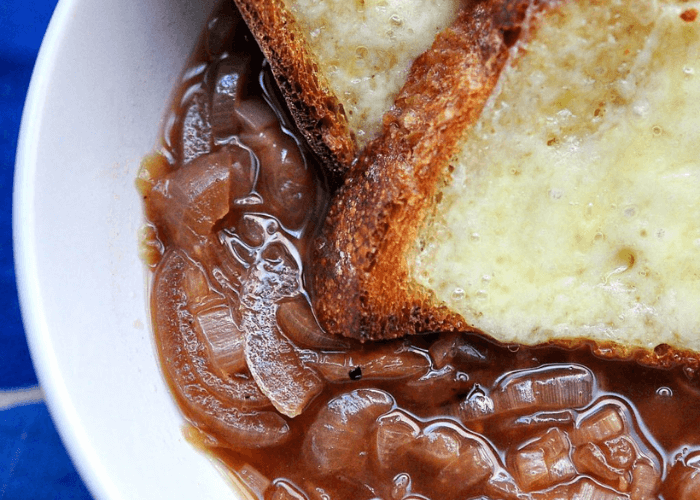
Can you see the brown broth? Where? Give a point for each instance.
(247, 258)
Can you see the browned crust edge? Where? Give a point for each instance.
(359, 282)
(316, 110)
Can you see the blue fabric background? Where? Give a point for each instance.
(33, 463)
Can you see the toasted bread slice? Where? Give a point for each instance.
(559, 204)
(341, 63)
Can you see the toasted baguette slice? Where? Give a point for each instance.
(340, 63)
(566, 210)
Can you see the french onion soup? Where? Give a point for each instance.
(234, 200)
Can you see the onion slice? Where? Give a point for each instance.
(337, 442)
(581, 488)
(231, 80)
(196, 128)
(392, 360)
(223, 408)
(683, 481)
(297, 321)
(223, 338)
(549, 387)
(543, 462)
(275, 364)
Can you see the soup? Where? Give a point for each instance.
(234, 198)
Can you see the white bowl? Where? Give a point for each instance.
(99, 90)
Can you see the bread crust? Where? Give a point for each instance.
(316, 110)
(360, 284)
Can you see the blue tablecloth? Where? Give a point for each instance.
(33, 462)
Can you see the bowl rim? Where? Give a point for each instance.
(62, 411)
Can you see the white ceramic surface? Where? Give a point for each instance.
(99, 90)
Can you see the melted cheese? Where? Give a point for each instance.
(366, 47)
(573, 209)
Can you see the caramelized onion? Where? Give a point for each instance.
(401, 487)
(256, 117)
(603, 424)
(581, 488)
(196, 128)
(476, 405)
(536, 422)
(589, 459)
(391, 360)
(394, 432)
(274, 265)
(337, 440)
(231, 80)
(550, 387)
(195, 197)
(286, 183)
(442, 456)
(223, 338)
(297, 321)
(454, 347)
(543, 462)
(438, 386)
(620, 451)
(646, 480)
(683, 481)
(223, 407)
(456, 456)
(183, 279)
(276, 367)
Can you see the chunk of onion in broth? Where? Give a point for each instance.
(197, 295)
(440, 457)
(224, 408)
(390, 360)
(589, 459)
(456, 456)
(455, 347)
(646, 480)
(286, 182)
(609, 445)
(196, 127)
(543, 462)
(476, 405)
(581, 489)
(256, 116)
(550, 387)
(230, 83)
(276, 366)
(252, 479)
(274, 362)
(196, 196)
(683, 481)
(394, 432)
(337, 441)
(534, 423)
(438, 386)
(223, 338)
(601, 424)
(297, 321)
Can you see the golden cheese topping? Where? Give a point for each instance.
(366, 47)
(573, 209)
